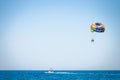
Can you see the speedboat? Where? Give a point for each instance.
(50, 70)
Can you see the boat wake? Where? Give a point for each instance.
(65, 73)
(60, 73)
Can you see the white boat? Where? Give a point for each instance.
(50, 70)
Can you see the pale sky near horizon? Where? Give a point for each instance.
(39, 34)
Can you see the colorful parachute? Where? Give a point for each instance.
(97, 27)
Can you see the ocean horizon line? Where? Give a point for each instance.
(54, 70)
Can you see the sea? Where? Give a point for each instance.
(60, 75)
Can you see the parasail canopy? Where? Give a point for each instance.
(97, 27)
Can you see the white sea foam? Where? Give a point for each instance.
(65, 73)
(60, 73)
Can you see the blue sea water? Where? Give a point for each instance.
(58, 75)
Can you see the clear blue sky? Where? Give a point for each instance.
(38, 34)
